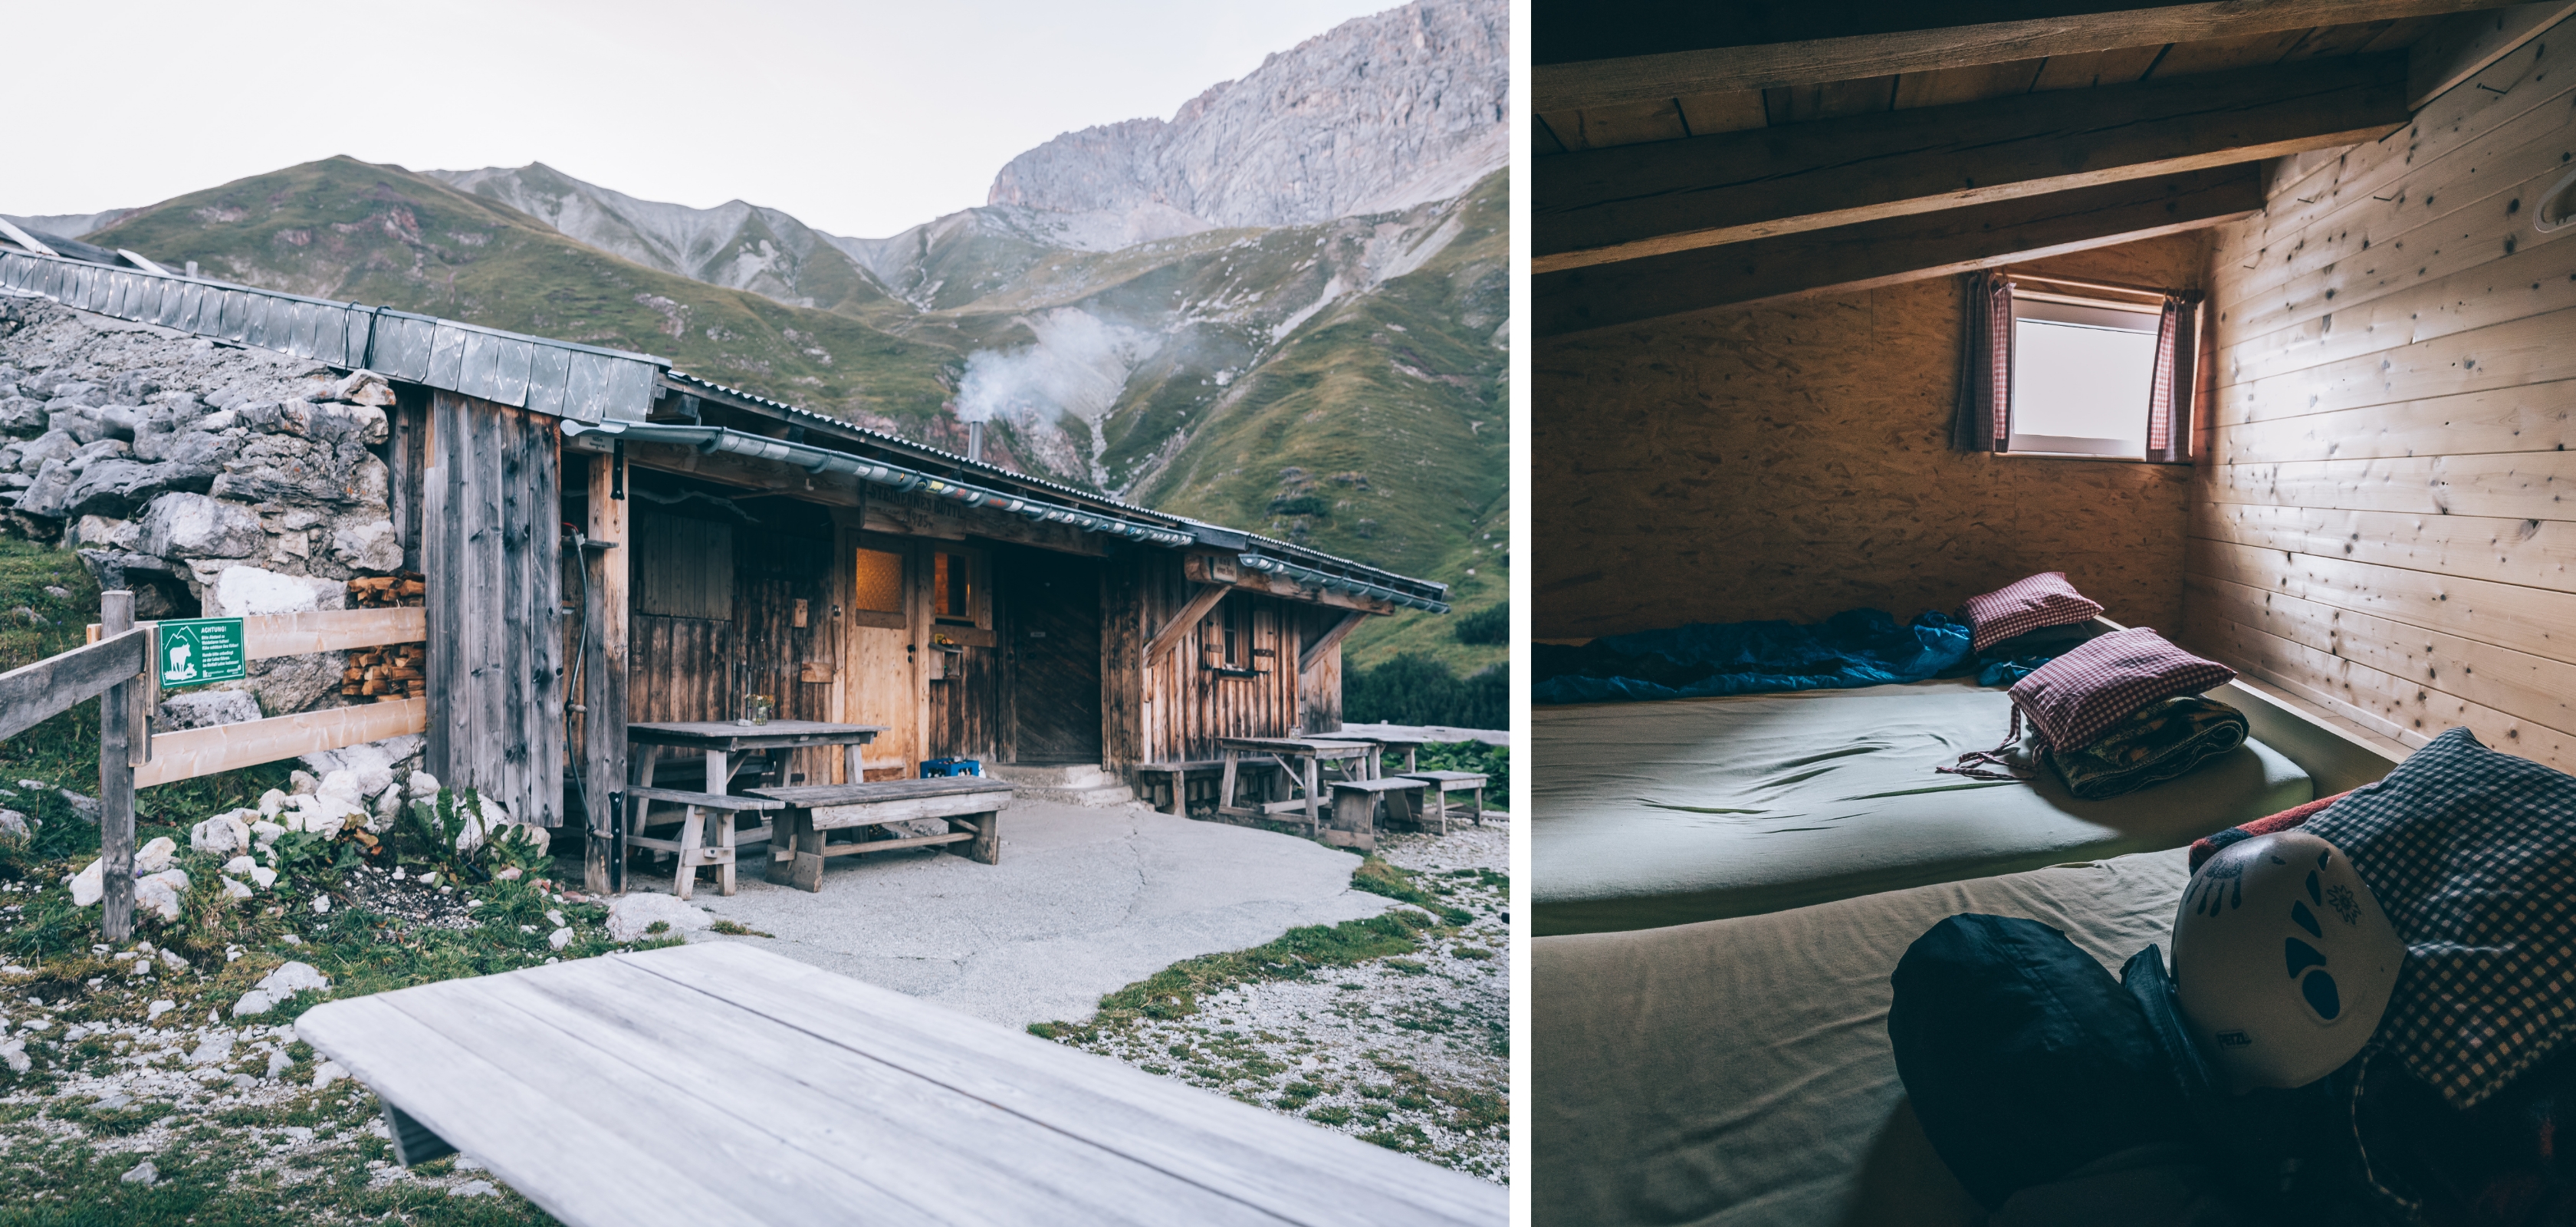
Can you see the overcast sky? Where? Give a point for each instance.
(858, 118)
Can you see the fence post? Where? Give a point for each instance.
(116, 780)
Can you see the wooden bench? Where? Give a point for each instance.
(1439, 785)
(1179, 776)
(779, 1093)
(813, 810)
(1355, 807)
(706, 835)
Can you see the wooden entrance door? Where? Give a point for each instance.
(879, 673)
(1054, 626)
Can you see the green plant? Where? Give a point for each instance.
(517, 847)
(1416, 689)
(1492, 624)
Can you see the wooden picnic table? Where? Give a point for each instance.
(1301, 761)
(721, 1083)
(724, 740)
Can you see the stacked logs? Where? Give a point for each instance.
(386, 591)
(387, 674)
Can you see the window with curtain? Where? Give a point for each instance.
(2076, 369)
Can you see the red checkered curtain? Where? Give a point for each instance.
(1980, 423)
(2169, 403)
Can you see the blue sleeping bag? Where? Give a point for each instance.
(1858, 647)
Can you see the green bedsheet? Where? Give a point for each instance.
(1649, 814)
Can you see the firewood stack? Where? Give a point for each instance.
(387, 674)
(386, 591)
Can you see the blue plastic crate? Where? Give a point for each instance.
(935, 768)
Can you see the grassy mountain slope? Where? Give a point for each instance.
(345, 229)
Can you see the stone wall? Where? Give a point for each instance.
(213, 480)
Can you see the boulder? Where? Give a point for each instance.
(15, 826)
(377, 764)
(340, 787)
(118, 487)
(155, 856)
(79, 421)
(184, 525)
(44, 496)
(220, 835)
(262, 834)
(288, 684)
(370, 546)
(204, 709)
(161, 893)
(271, 802)
(118, 535)
(242, 591)
(240, 865)
(420, 786)
(22, 416)
(632, 915)
(52, 445)
(235, 889)
(364, 388)
(87, 885)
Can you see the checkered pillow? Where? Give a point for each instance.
(2045, 599)
(2075, 698)
(2472, 854)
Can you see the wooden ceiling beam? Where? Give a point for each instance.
(1892, 38)
(1892, 250)
(1635, 201)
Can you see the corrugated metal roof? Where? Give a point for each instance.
(563, 378)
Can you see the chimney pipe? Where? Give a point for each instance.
(974, 440)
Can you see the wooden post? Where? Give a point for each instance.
(116, 780)
(603, 667)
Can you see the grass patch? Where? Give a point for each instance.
(1174, 992)
(1380, 878)
(730, 929)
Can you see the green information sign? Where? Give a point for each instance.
(194, 651)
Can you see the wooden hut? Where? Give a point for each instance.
(607, 541)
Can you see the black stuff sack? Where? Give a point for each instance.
(2026, 1060)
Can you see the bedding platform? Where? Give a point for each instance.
(1737, 1072)
(1651, 814)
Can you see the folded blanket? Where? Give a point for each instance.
(2153, 744)
(2208, 845)
(1859, 647)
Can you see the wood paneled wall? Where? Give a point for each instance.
(1186, 705)
(2384, 524)
(1793, 461)
(490, 501)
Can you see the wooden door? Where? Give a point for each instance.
(1054, 643)
(878, 667)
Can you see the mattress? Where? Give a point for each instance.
(1737, 1072)
(1649, 814)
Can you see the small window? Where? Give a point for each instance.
(1226, 637)
(878, 585)
(952, 588)
(2083, 374)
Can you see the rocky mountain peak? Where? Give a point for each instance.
(1378, 113)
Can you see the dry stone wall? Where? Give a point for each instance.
(211, 479)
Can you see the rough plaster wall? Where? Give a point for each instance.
(1792, 461)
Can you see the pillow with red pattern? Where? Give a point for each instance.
(2045, 599)
(2075, 698)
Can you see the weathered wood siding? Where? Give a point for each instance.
(490, 502)
(2383, 526)
(1793, 461)
(1186, 704)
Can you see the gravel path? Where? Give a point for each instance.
(1409, 1052)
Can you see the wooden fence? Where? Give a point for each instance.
(117, 663)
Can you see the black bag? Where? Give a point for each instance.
(2026, 1060)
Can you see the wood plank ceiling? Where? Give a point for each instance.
(1759, 151)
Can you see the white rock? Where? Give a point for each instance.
(420, 786)
(321, 904)
(243, 591)
(265, 833)
(278, 1063)
(271, 802)
(161, 893)
(263, 876)
(302, 783)
(340, 786)
(631, 915)
(387, 812)
(173, 960)
(14, 825)
(220, 834)
(368, 547)
(15, 1053)
(142, 1173)
(554, 916)
(327, 1073)
(474, 1188)
(293, 977)
(214, 1049)
(159, 1008)
(560, 938)
(235, 889)
(155, 856)
(201, 709)
(87, 885)
(240, 865)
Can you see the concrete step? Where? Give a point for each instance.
(1075, 785)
